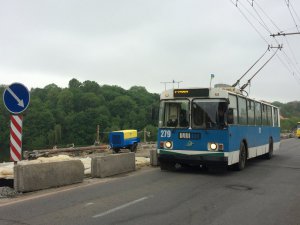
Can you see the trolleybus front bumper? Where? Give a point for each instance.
(194, 160)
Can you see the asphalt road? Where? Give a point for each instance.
(267, 192)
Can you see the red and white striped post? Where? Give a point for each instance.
(16, 137)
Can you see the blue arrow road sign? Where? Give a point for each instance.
(16, 98)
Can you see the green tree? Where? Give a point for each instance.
(74, 83)
(65, 101)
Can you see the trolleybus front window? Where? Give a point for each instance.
(174, 114)
(209, 114)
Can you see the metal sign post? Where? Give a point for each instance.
(16, 137)
(16, 99)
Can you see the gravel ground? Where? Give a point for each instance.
(7, 192)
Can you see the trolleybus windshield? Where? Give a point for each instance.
(174, 113)
(209, 114)
(205, 114)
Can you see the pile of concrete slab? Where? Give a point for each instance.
(37, 176)
(63, 170)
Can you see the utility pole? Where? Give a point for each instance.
(145, 135)
(283, 34)
(97, 142)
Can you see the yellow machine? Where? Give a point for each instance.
(123, 139)
(129, 133)
(298, 130)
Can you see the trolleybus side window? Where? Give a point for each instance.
(232, 116)
(269, 116)
(250, 104)
(242, 111)
(264, 115)
(257, 113)
(276, 124)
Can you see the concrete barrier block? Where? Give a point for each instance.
(32, 177)
(105, 166)
(153, 158)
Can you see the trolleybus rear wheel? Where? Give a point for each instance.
(270, 153)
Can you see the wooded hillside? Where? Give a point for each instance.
(290, 115)
(62, 116)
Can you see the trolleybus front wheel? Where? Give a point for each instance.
(242, 158)
(167, 165)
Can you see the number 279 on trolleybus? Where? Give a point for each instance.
(215, 127)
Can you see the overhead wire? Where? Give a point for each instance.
(251, 24)
(289, 64)
(295, 12)
(292, 52)
(289, 69)
(288, 6)
(261, 22)
(289, 61)
(292, 64)
(266, 15)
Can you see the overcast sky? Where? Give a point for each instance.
(144, 43)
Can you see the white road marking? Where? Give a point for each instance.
(88, 204)
(121, 207)
(55, 191)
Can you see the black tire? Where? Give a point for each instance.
(133, 147)
(116, 150)
(270, 153)
(242, 158)
(167, 166)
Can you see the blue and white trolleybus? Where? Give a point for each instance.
(215, 127)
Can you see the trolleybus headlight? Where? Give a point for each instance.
(168, 144)
(213, 146)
